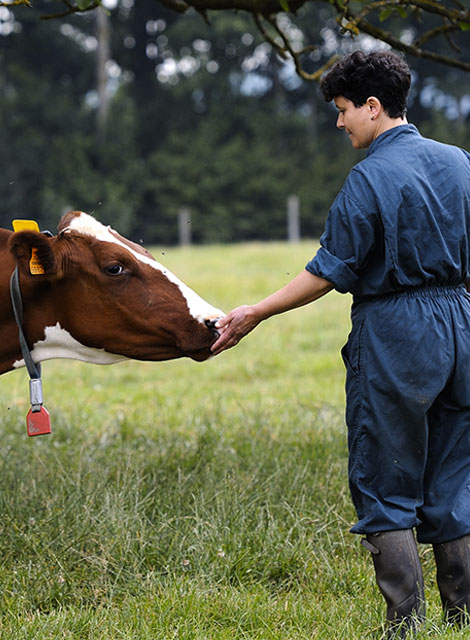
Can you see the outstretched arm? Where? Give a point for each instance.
(303, 289)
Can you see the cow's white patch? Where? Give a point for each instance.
(198, 308)
(59, 343)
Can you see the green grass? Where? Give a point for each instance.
(196, 501)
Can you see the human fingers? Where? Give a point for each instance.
(233, 328)
(223, 321)
(226, 339)
(224, 342)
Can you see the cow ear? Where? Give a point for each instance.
(33, 252)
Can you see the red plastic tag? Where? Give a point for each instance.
(38, 423)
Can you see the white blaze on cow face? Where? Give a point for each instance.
(58, 343)
(198, 308)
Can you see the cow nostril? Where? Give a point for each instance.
(210, 324)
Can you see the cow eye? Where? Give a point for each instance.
(114, 270)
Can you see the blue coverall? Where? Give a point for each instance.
(398, 238)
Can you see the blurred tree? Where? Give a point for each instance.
(51, 155)
(40, 101)
(230, 131)
(437, 37)
(204, 115)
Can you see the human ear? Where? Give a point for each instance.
(374, 107)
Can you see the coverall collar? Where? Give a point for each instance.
(391, 135)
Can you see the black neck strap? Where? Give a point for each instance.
(34, 370)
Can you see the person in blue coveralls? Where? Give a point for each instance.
(397, 237)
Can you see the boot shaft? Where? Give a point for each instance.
(453, 578)
(399, 577)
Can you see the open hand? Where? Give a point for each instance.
(233, 327)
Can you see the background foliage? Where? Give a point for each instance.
(206, 116)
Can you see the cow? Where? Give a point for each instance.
(96, 297)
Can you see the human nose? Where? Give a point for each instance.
(340, 121)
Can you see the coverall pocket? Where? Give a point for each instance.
(352, 350)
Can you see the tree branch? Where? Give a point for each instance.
(179, 6)
(433, 6)
(71, 9)
(411, 49)
(15, 3)
(287, 50)
(454, 17)
(434, 33)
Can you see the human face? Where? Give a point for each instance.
(356, 121)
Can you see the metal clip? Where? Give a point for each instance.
(35, 394)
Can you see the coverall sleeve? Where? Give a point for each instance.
(349, 237)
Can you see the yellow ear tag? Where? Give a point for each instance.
(35, 266)
(25, 225)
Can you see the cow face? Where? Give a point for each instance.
(103, 298)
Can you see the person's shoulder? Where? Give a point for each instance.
(363, 171)
(436, 146)
(359, 184)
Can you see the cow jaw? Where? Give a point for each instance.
(87, 225)
(59, 343)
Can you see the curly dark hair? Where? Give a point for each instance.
(360, 75)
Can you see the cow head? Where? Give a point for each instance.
(103, 298)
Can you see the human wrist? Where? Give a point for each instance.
(259, 311)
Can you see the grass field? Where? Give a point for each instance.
(193, 501)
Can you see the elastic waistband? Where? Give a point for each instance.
(417, 292)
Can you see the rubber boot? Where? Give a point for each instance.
(453, 578)
(400, 579)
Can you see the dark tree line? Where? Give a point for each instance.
(131, 116)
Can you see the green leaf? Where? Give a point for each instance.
(388, 11)
(284, 4)
(84, 4)
(465, 26)
(384, 14)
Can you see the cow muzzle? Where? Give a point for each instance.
(210, 324)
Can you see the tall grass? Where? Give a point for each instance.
(193, 501)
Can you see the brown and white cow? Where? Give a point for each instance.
(101, 299)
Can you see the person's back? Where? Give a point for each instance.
(422, 195)
(412, 195)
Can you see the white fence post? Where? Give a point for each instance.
(184, 226)
(293, 218)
